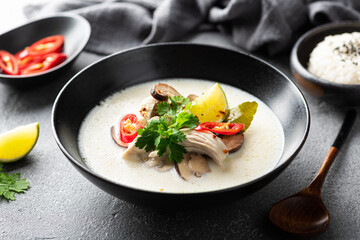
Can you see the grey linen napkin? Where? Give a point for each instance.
(255, 25)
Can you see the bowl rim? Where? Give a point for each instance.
(218, 191)
(302, 70)
(79, 49)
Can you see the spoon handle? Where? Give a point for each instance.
(345, 128)
(316, 185)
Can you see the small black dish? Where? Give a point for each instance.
(75, 29)
(335, 93)
(179, 60)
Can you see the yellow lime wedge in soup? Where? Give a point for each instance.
(18, 142)
(210, 106)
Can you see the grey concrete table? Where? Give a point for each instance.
(62, 204)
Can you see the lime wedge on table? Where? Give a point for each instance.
(18, 142)
(211, 106)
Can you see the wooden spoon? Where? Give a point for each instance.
(304, 213)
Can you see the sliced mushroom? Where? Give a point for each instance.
(232, 142)
(162, 91)
(192, 97)
(166, 166)
(116, 140)
(183, 168)
(198, 163)
(162, 164)
(153, 162)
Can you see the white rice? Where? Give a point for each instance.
(337, 59)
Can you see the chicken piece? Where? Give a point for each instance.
(205, 142)
(134, 153)
(147, 110)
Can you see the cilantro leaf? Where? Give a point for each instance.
(185, 119)
(148, 134)
(243, 113)
(177, 136)
(164, 108)
(176, 152)
(161, 145)
(163, 134)
(9, 185)
(147, 140)
(178, 104)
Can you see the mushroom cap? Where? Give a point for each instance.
(233, 142)
(162, 91)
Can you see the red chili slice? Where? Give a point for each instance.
(52, 44)
(29, 60)
(22, 54)
(48, 61)
(8, 63)
(129, 125)
(221, 128)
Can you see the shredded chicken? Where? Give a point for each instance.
(147, 110)
(207, 143)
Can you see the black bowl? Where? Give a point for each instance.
(179, 60)
(75, 29)
(335, 93)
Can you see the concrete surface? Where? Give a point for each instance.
(62, 204)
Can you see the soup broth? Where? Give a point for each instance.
(260, 152)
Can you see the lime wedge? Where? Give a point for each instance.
(211, 106)
(18, 142)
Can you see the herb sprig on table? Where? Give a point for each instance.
(164, 133)
(11, 184)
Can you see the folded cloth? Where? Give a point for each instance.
(255, 25)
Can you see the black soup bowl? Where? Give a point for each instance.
(178, 60)
(75, 29)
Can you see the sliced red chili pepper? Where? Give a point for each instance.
(22, 54)
(8, 63)
(52, 44)
(221, 128)
(48, 61)
(29, 60)
(129, 125)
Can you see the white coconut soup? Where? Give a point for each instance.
(262, 148)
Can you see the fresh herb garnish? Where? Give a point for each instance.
(163, 134)
(178, 104)
(243, 113)
(9, 185)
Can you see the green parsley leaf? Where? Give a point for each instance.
(161, 145)
(147, 140)
(185, 119)
(164, 108)
(9, 185)
(243, 113)
(176, 152)
(164, 134)
(178, 104)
